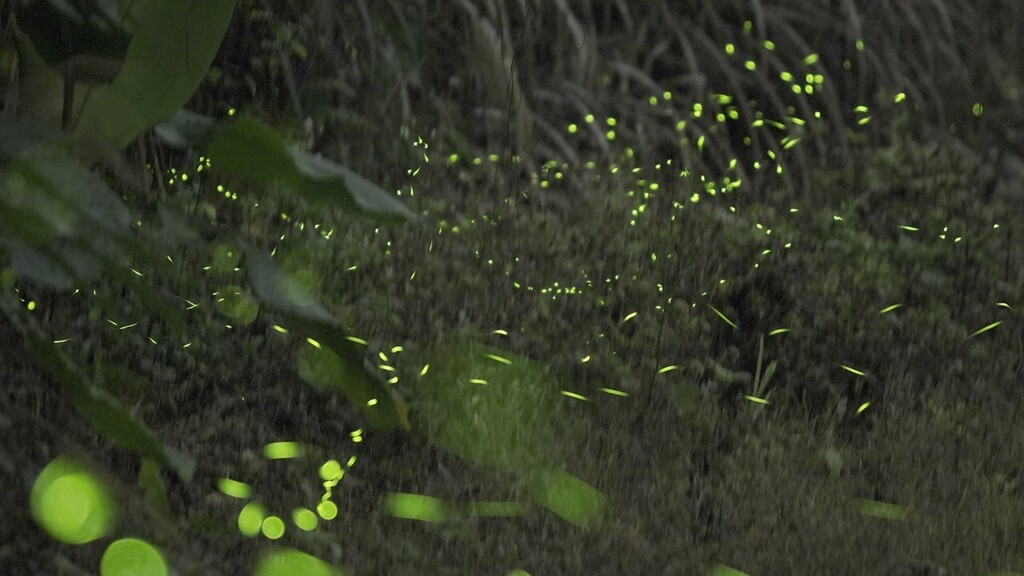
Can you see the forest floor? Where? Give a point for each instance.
(885, 440)
(617, 367)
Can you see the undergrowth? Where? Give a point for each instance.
(641, 209)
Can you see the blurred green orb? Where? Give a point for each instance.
(70, 504)
(132, 557)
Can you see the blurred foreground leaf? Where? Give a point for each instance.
(569, 497)
(335, 364)
(245, 147)
(103, 411)
(288, 562)
(502, 410)
(84, 40)
(169, 54)
(62, 225)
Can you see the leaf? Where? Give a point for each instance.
(225, 259)
(61, 31)
(153, 489)
(763, 379)
(169, 54)
(67, 195)
(503, 415)
(186, 129)
(234, 303)
(723, 570)
(102, 410)
(21, 134)
(113, 420)
(283, 292)
(49, 185)
(883, 510)
(337, 366)
(63, 225)
(58, 271)
(285, 562)
(567, 496)
(246, 147)
(322, 184)
(416, 507)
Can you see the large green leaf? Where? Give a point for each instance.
(186, 129)
(62, 224)
(102, 410)
(567, 496)
(282, 291)
(246, 147)
(502, 410)
(490, 406)
(169, 54)
(70, 34)
(335, 364)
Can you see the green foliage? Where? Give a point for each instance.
(489, 406)
(340, 368)
(244, 146)
(66, 229)
(661, 281)
(569, 497)
(55, 238)
(170, 52)
(287, 561)
(65, 32)
(103, 411)
(731, 87)
(65, 222)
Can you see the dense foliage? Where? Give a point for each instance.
(662, 287)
